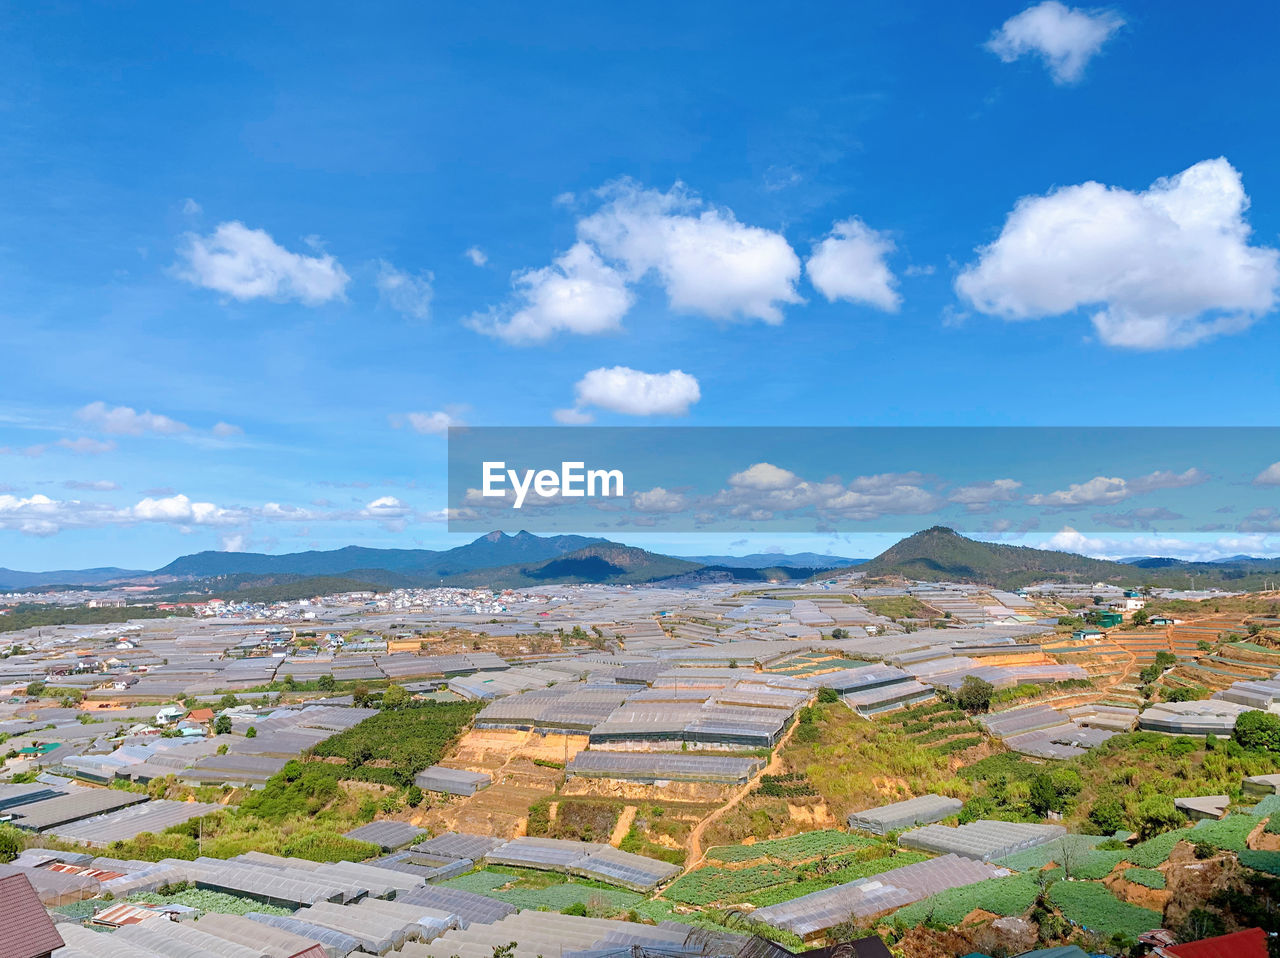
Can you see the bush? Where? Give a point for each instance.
(328, 847)
(1157, 814)
(11, 844)
(1107, 816)
(828, 696)
(1259, 731)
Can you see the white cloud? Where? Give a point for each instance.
(94, 485)
(126, 421)
(705, 259)
(477, 256)
(225, 430)
(572, 417)
(86, 446)
(764, 476)
(1066, 38)
(633, 393)
(849, 264)
(1071, 540)
(1167, 267)
(248, 264)
(190, 207)
(237, 542)
(578, 293)
(1106, 490)
(181, 510)
(432, 423)
(659, 500)
(405, 293)
(981, 496)
(1269, 476)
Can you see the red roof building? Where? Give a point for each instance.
(26, 930)
(1250, 943)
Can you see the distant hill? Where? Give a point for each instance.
(494, 549)
(606, 562)
(777, 560)
(942, 553)
(13, 580)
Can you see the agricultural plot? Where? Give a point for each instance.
(1147, 877)
(1230, 833)
(390, 748)
(206, 901)
(797, 848)
(1155, 851)
(1268, 862)
(1090, 905)
(1010, 897)
(707, 885)
(1077, 854)
(540, 891)
(852, 872)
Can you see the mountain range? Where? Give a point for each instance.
(498, 560)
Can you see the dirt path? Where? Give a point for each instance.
(694, 855)
(624, 825)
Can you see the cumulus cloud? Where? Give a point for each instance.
(1107, 490)
(982, 496)
(1065, 38)
(1071, 540)
(578, 293)
(477, 256)
(1269, 476)
(248, 264)
(405, 293)
(630, 392)
(1167, 267)
(181, 510)
(432, 423)
(705, 259)
(849, 264)
(659, 500)
(42, 516)
(126, 421)
(764, 476)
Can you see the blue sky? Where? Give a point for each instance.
(260, 216)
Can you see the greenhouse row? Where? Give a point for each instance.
(451, 781)
(653, 767)
(387, 835)
(811, 915)
(982, 840)
(126, 823)
(1209, 717)
(914, 811)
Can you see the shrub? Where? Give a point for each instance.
(975, 694)
(1259, 731)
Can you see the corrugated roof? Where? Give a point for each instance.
(27, 929)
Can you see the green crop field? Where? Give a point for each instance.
(794, 849)
(1010, 896)
(1147, 877)
(1092, 906)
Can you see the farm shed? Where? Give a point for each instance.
(387, 835)
(651, 767)
(451, 781)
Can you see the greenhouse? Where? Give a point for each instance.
(652, 767)
(914, 811)
(72, 807)
(126, 823)
(387, 835)
(272, 941)
(811, 915)
(451, 781)
(982, 840)
(467, 906)
(1210, 717)
(336, 944)
(456, 845)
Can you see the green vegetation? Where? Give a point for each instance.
(1092, 906)
(30, 615)
(1011, 896)
(975, 694)
(214, 901)
(394, 745)
(794, 849)
(1147, 877)
(1259, 731)
(328, 846)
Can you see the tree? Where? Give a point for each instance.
(360, 695)
(1186, 693)
(290, 682)
(1157, 814)
(839, 633)
(1107, 816)
(250, 732)
(10, 844)
(975, 694)
(1053, 791)
(222, 725)
(326, 683)
(1259, 731)
(828, 696)
(1141, 617)
(228, 701)
(395, 697)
